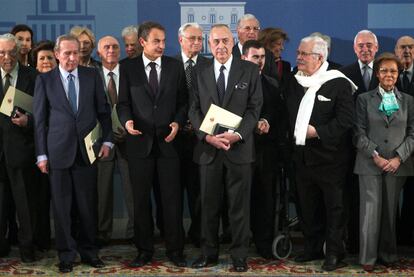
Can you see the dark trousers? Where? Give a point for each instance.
(406, 223)
(215, 178)
(317, 184)
(263, 195)
(75, 188)
(42, 232)
(142, 176)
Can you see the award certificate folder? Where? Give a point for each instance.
(217, 115)
(16, 98)
(93, 142)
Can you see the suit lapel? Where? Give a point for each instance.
(376, 101)
(165, 67)
(234, 76)
(211, 82)
(143, 76)
(60, 89)
(398, 96)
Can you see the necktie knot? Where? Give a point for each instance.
(222, 68)
(152, 65)
(190, 62)
(111, 74)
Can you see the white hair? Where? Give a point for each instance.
(319, 47)
(129, 30)
(366, 32)
(10, 37)
(322, 36)
(246, 16)
(184, 27)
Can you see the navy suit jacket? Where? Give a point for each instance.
(59, 131)
(353, 72)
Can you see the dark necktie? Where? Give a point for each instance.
(112, 89)
(366, 77)
(221, 88)
(6, 83)
(279, 69)
(406, 82)
(153, 78)
(189, 73)
(72, 93)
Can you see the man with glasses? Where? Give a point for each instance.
(320, 108)
(190, 37)
(18, 174)
(248, 28)
(226, 158)
(361, 73)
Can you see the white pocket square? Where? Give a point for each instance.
(323, 98)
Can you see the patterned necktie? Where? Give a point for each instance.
(72, 93)
(189, 73)
(406, 82)
(7, 83)
(153, 78)
(221, 88)
(366, 77)
(112, 89)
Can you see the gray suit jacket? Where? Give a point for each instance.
(389, 136)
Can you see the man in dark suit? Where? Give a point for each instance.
(269, 131)
(18, 174)
(248, 28)
(361, 73)
(109, 51)
(404, 50)
(190, 37)
(152, 106)
(226, 159)
(319, 121)
(68, 102)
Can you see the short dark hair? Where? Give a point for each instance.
(146, 27)
(251, 44)
(386, 56)
(44, 45)
(22, 28)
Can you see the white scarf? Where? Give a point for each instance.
(313, 83)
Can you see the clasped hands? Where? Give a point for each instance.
(390, 165)
(223, 140)
(129, 126)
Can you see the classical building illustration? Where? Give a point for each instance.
(209, 13)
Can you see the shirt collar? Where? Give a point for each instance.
(185, 58)
(410, 69)
(383, 91)
(13, 73)
(65, 73)
(115, 70)
(217, 64)
(361, 64)
(147, 61)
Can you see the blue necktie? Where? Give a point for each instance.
(72, 93)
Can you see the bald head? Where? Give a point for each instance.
(109, 51)
(404, 50)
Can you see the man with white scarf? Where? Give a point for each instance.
(321, 112)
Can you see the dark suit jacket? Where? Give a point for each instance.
(59, 132)
(399, 85)
(17, 143)
(243, 97)
(152, 114)
(332, 119)
(353, 72)
(270, 67)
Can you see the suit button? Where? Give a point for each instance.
(386, 140)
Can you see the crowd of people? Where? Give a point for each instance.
(343, 134)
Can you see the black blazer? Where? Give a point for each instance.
(332, 119)
(399, 85)
(17, 143)
(270, 67)
(152, 114)
(243, 97)
(59, 132)
(353, 72)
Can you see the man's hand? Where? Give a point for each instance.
(174, 130)
(129, 126)
(43, 166)
(120, 135)
(20, 119)
(104, 151)
(393, 165)
(380, 162)
(231, 137)
(219, 143)
(262, 127)
(311, 132)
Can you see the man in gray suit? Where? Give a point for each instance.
(226, 159)
(109, 52)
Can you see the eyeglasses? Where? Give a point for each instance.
(249, 29)
(11, 53)
(305, 54)
(386, 71)
(194, 38)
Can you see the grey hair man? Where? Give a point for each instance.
(132, 46)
